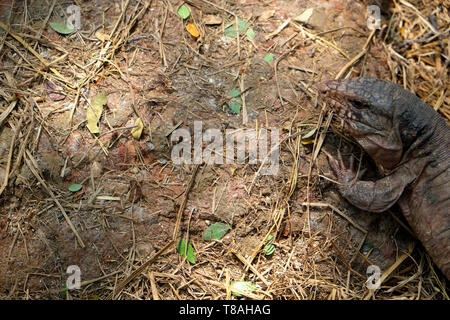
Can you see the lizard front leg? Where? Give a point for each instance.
(374, 196)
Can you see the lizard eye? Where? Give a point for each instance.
(357, 104)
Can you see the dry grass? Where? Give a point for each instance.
(314, 263)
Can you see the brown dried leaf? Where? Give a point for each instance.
(102, 36)
(55, 96)
(49, 86)
(211, 19)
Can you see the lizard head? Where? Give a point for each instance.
(366, 106)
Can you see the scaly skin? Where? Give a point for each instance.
(411, 142)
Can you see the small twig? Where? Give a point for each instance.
(119, 20)
(315, 37)
(24, 241)
(392, 268)
(184, 202)
(187, 232)
(11, 149)
(155, 293)
(302, 69)
(276, 70)
(279, 29)
(358, 56)
(342, 256)
(8, 110)
(31, 163)
(238, 38)
(97, 139)
(311, 164)
(267, 157)
(244, 105)
(322, 136)
(218, 7)
(85, 283)
(319, 204)
(12, 245)
(138, 271)
(160, 39)
(37, 55)
(252, 268)
(174, 128)
(227, 284)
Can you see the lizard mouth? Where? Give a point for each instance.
(347, 107)
(342, 108)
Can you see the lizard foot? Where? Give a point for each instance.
(343, 174)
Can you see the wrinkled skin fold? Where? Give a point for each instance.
(410, 141)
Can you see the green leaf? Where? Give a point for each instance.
(242, 288)
(75, 187)
(181, 248)
(61, 28)
(184, 12)
(216, 231)
(236, 93)
(269, 249)
(230, 31)
(235, 106)
(234, 103)
(269, 57)
(269, 239)
(367, 245)
(64, 290)
(250, 34)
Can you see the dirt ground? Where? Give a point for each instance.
(141, 56)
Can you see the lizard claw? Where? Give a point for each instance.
(361, 172)
(334, 164)
(351, 165)
(343, 174)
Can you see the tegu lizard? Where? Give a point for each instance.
(410, 141)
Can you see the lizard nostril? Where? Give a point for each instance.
(327, 86)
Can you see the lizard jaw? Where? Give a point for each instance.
(342, 109)
(340, 103)
(341, 106)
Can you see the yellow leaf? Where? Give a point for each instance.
(192, 29)
(137, 131)
(307, 141)
(309, 137)
(94, 112)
